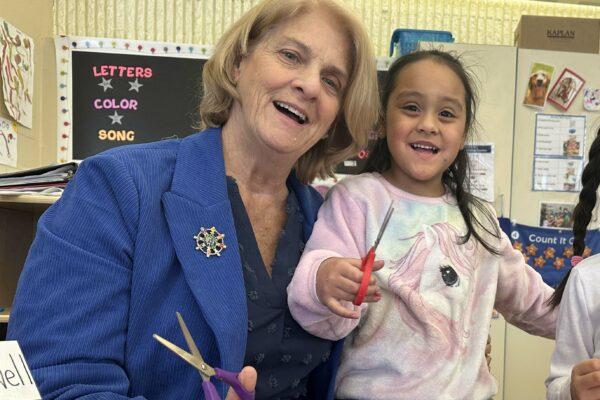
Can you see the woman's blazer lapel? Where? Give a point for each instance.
(198, 198)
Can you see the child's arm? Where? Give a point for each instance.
(323, 276)
(572, 373)
(522, 296)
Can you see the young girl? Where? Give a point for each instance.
(447, 264)
(575, 368)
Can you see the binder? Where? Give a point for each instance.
(50, 175)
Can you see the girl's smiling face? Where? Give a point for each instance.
(425, 126)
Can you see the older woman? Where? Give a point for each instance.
(211, 226)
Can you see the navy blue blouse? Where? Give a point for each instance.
(281, 351)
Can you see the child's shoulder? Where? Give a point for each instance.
(367, 184)
(589, 269)
(583, 283)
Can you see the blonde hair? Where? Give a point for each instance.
(360, 105)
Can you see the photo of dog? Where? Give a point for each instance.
(537, 85)
(537, 88)
(565, 89)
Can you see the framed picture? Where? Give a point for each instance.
(565, 89)
(556, 215)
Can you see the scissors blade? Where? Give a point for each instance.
(205, 370)
(188, 337)
(388, 215)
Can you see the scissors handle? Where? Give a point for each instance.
(366, 266)
(210, 391)
(231, 378)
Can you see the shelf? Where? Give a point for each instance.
(19, 215)
(4, 315)
(27, 202)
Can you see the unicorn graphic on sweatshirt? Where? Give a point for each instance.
(432, 282)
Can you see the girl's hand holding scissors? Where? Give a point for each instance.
(338, 279)
(350, 279)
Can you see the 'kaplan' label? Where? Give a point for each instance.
(16, 382)
(560, 34)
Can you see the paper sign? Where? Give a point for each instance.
(16, 382)
(548, 250)
(558, 152)
(8, 142)
(481, 174)
(591, 99)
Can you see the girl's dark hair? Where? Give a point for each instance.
(456, 176)
(582, 214)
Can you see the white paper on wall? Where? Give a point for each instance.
(16, 58)
(481, 177)
(558, 152)
(8, 142)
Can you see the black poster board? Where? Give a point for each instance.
(122, 99)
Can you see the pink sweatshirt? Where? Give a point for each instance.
(425, 338)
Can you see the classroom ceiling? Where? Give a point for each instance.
(582, 2)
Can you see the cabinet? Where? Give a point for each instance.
(18, 220)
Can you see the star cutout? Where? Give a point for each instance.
(549, 252)
(559, 263)
(568, 252)
(116, 118)
(105, 84)
(539, 262)
(531, 249)
(135, 85)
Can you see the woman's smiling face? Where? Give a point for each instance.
(291, 84)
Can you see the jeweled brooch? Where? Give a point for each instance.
(210, 242)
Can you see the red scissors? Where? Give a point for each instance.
(367, 262)
(206, 371)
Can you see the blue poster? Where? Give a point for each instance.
(548, 250)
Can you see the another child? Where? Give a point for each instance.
(447, 264)
(575, 368)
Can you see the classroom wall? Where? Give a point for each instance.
(203, 22)
(35, 146)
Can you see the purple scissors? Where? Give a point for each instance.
(206, 371)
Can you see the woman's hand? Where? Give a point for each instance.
(247, 377)
(585, 380)
(339, 279)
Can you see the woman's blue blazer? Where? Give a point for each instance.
(115, 258)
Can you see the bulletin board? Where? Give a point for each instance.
(114, 92)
